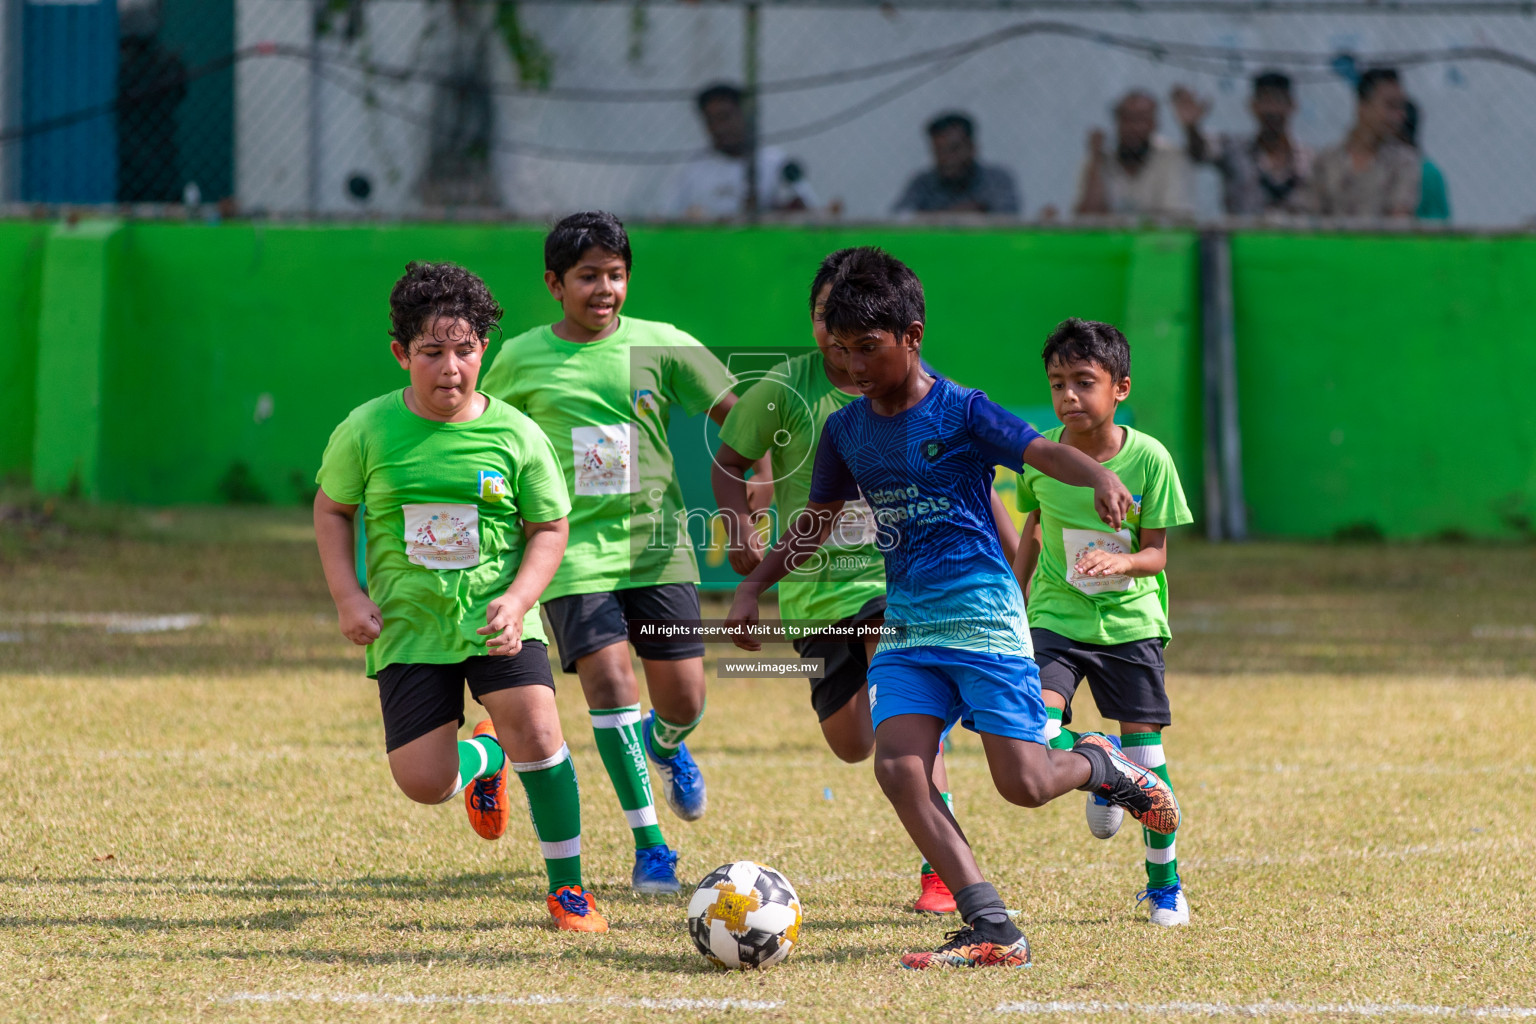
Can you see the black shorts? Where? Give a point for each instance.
(417, 698)
(847, 661)
(583, 624)
(1126, 679)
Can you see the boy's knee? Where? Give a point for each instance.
(849, 745)
(900, 775)
(1023, 792)
(608, 690)
(424, 787)
(849, 751)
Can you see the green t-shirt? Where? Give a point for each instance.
(1102, 609)
(444, 519)
(605, 405)
(784, 413)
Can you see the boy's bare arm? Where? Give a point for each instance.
(541, 557)
(1149, 561)
(1006, 533)
(760, 487)
(1069, 465)
(1029, 553)
(727, 477)
(807, 533)
(356, 614)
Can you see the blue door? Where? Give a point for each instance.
(68, 85)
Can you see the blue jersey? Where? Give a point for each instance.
(927, 474)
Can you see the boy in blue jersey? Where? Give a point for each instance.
(921, 451)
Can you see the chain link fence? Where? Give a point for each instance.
(417, 108)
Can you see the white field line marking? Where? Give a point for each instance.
(407, 999)
(112, 622)
(1268, 1009)
(1492, 632)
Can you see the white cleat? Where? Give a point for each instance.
(1103, 818)
(1169, 907)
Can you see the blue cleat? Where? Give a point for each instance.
(685, 790)
(655, 871)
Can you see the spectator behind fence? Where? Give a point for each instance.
(1434, 197)
(957, 183)
(1262, 173)
(1144, 174)
(714, 185)
(151, 84)
(1372, 172)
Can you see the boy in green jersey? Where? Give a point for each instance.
(835, 598)
(601, 386)
(465, 523)
(1098, 599)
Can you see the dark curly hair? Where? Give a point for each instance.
(431, 290)
(1089, 341)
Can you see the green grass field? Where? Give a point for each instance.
(200, 822)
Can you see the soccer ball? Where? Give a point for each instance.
(744, 915)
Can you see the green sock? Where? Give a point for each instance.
(618, 741)
(1146, 749)
(554, 803)
(479, 758)
(667, 737)
(949, 801)
(1056, 737)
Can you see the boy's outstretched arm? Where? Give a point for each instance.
(728, 479)
(1029, 554)
(806, 533)
(541, 557)
(1069, 465)
(357, 615)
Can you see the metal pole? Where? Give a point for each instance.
(313, 163)
(1234, 511)
(1210, 365)
(749, 32)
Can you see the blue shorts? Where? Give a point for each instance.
(991, 693)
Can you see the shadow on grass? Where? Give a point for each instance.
(466, 885)
(272, 920)
(684, 961)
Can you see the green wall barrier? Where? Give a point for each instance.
(233, 350)
(1384, 385)
(22, 244)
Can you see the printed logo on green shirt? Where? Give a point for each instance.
(493, 486)
(645, 403)
(1133, 517)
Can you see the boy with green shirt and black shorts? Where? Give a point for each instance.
(1098, 599)
(465, 524)
(783, 415)
(601, 387)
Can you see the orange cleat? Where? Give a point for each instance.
(486, 799)
(575, 910)
(936, 897)
(965, 948)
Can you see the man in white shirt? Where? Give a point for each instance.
(714, 185)
(1144, 174)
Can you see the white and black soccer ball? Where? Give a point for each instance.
(744, 915)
